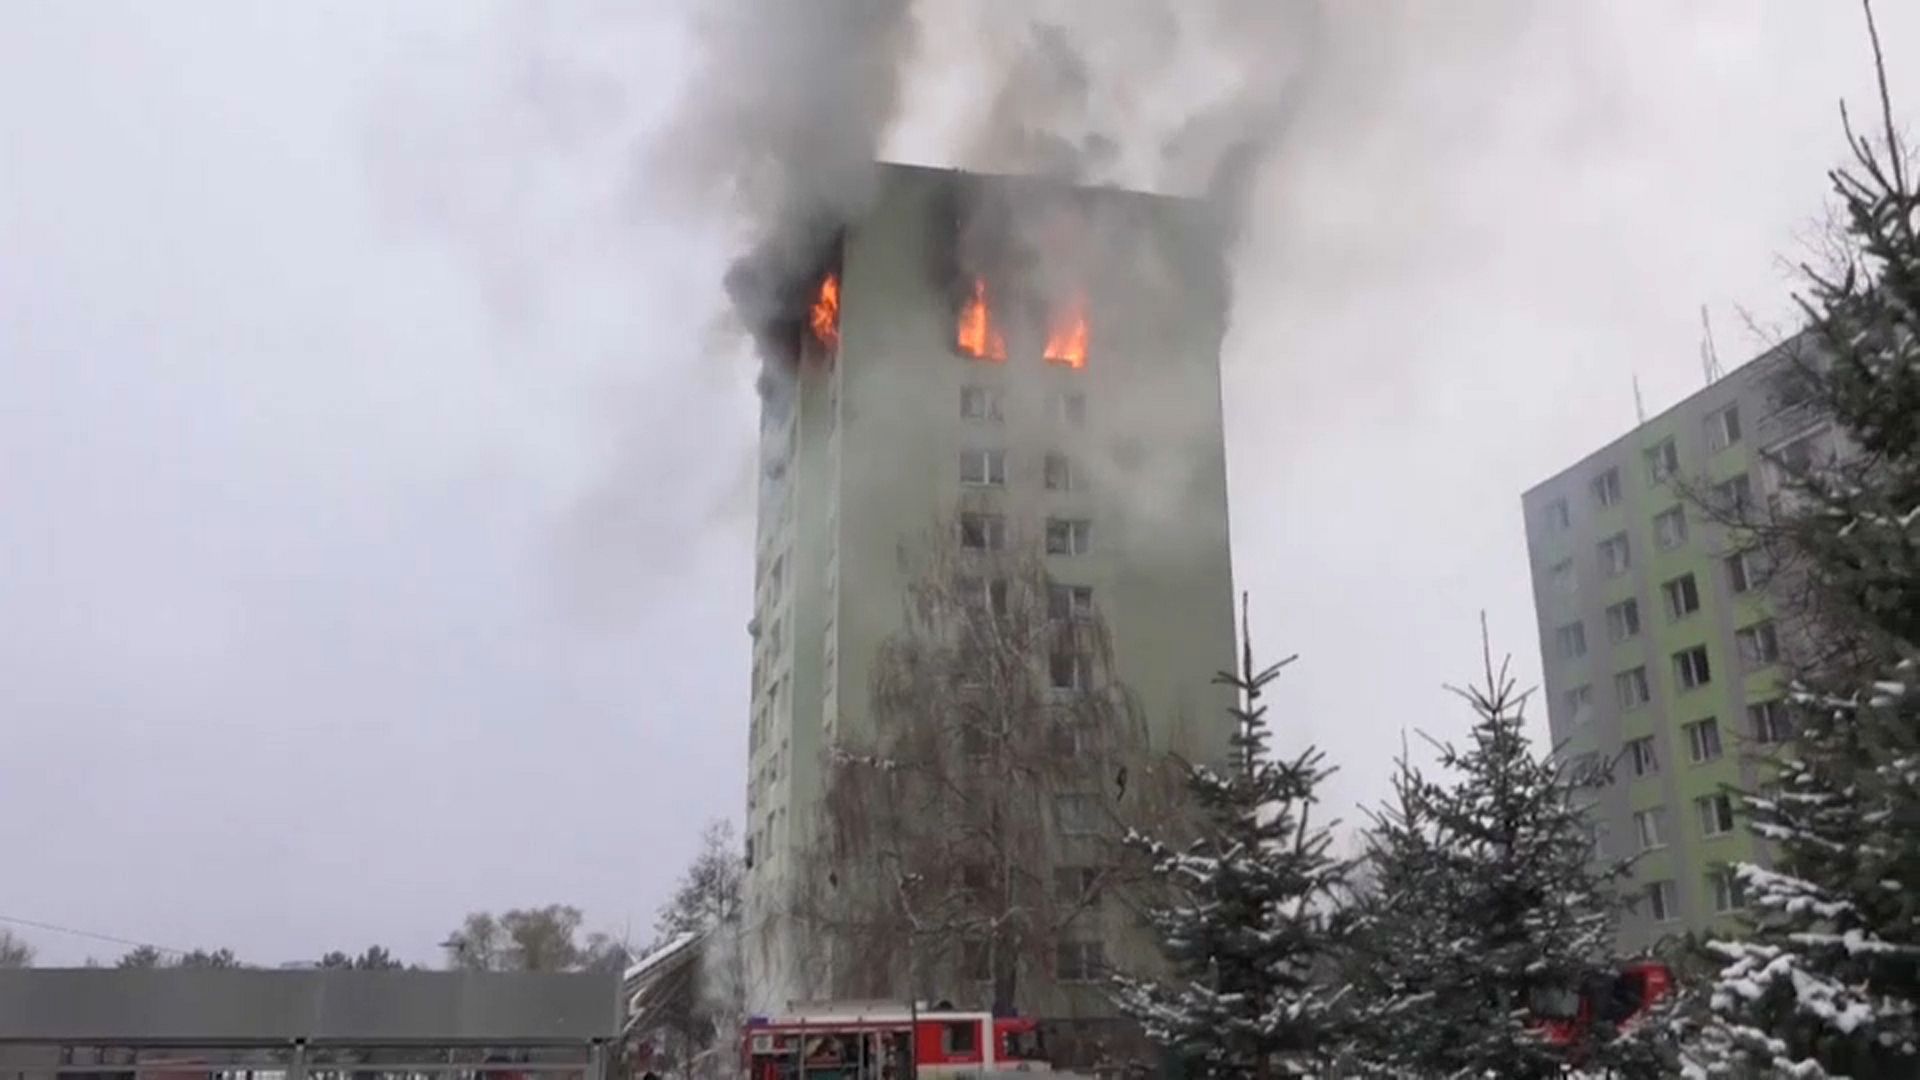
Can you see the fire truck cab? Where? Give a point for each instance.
(888, 1041)
(1619, 998)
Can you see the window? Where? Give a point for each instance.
(1663, 460)
(1067, 408)
(1080, 961)
(1759, 644)
(1768, 722)
(1623, 620)
(1558, 516)
(1641, 756)
(1571, 640)
(983, 532)
(1069, 671)
(976, 963)
(1723, 428)
(1691, 669)
(1650, 827)
(1059, 473)
(974, 878)
(1078, 815)
(1560, 577)
(1729, 893)
(959, 1037)
(1703, 740)
(1615, 557)
(984, 594)
(1733, 496)
(1795, 459)
(1716, 814)
(1661, 903)
(983, 468)
(1075, 884)
(1069, 603)
(1578, 703)
(1682, 595)
(1670, 528)
(1630, 688)
(1747, 570)
(981, 403)
(1066, 537)
(1606, 487)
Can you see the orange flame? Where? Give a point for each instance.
(825, 317)
(977, 335)
(1067, 337)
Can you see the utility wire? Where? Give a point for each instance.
(38, 925)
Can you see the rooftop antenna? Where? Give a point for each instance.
(1639, 406)
(1709, 356)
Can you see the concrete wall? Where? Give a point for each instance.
(196, 1006)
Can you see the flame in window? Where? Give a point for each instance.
(976, 335)
(825, 317)
(1067, 334)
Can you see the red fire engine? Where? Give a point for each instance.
(886, 1041)
(1618, 998)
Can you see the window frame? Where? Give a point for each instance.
(1758, 643)
(1715, 815)
(1605, 487)
(1701, 733)
(1670, 540)
(1078, 534)
(1692, 668)
(1663, 460)
(1720, 434)
(1636, 677)
(1650, 828)
(1570, 640)
(1627, 626)
(1643, 757)
(1611, 568)
(1685, 587)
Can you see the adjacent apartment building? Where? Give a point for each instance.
(1659, 641)
(920, 399)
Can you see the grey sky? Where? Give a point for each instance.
(373, 451)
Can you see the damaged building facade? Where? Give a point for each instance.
(996, 368)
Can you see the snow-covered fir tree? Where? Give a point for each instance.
(1486, 905)
(1828, 982)
(1244, 922)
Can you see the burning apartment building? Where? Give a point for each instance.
(992, 587)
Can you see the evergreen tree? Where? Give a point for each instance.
(1245, 927)
(1487, 905)
(1828, 982)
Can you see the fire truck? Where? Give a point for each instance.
(1619, 998)
(889, 1041)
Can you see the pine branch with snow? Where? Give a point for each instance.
(1245, 924)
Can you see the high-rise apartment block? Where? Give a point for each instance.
(1660, 637)
(923, 401)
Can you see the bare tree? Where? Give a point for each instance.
(1002, 765)
(14, 951)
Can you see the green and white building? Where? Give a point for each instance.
(1659, 640)
(872, 444)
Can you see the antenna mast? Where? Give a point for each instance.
(1709, 356)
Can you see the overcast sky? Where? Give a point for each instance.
(375, 507)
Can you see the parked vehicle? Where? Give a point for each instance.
(889, 1041)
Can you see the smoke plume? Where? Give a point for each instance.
(792, 104)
